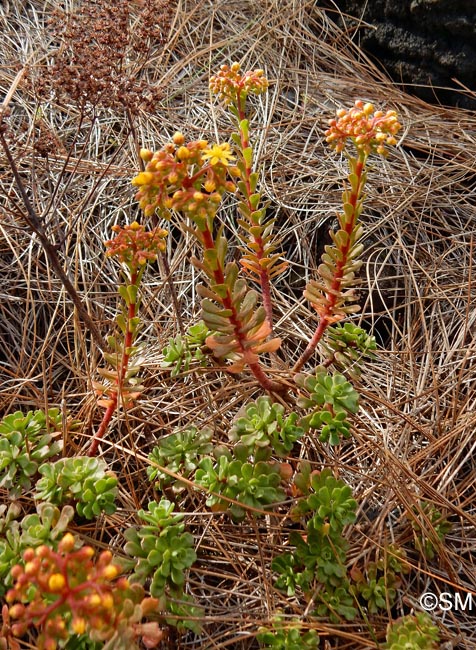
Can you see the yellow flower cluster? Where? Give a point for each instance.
(188, 178)
(84, 594)
(230, 84)
(369, 130)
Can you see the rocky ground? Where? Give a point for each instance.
(427, 45)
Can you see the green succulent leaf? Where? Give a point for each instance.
(348, 345)
(161, 549)
(179, 453)
(182, 351)
(25, 442)
(254, 485)
(82, 479)
(262, 424)
(415, 632)
(287, 634)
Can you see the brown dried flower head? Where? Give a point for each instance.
(104, 50)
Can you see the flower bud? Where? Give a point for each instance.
(146, 155)
(42, 551)
(17, 610)
(16, 571)
(79, 625)
(94, 600)
(31, 567)
(110, 572)
(178, 138)
(107, 601)
(104, 558)
(183, 153)
(144, 178)
(19, 629)
(122, 583)
(56, 582)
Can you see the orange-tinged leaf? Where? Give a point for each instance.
(268, 346)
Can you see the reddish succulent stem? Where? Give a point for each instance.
(219, 277)
(121, 373)
(326, 318)
(260, 252)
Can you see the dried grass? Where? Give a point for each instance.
(414, 435)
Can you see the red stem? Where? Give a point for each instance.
(66, 595)
(260, 252)
(227, 302)
(326, 318)
(121, 373)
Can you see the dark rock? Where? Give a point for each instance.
(427, 46)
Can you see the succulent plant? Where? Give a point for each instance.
(181, 350)
(415, 632)
(292, 573)
(333, 426)
(287, 635)
(376, 585)
(45, 527)
(255, 485)
(183, 613)
(161, 549)
(330, 503)
(10, 544)
(336, 603)
(427, 535)
(25, 442)
(317, 563)
(263, 425)
(81, 479)
(378, 593)
(180, 453)
(326, 558)
(331, 398)
(346, 345)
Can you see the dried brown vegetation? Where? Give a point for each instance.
(114, 76)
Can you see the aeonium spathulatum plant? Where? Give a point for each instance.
(192, 178)
(332, 295)
(133, 247)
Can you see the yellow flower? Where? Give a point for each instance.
(218, 154)
(79, 625)
(56, 582)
